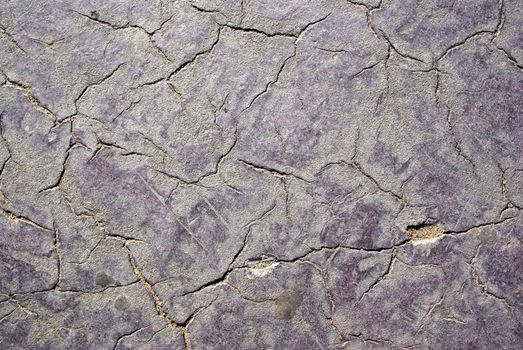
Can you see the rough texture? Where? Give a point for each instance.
(261, 174)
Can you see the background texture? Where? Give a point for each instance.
(261, 174)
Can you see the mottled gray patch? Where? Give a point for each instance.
(287, 304)
(104, 280)
(121, 303)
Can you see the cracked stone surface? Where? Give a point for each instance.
(261, 174)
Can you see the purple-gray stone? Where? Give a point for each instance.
(261, 174)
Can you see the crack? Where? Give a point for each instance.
(97, 83)
(104, 144)
(187, 323)
(251, 30)
(204, 10)
(296, 36)
(149, 83)
(131, 106)
(366, 6)
(366, 68)
(249, 226)
(221, 159)
(259, 31)
(431, 308)
(230, 268)
(182, 65)
(437, 96)
(126, 335)
(331, 50)
(98, 291)
(57, 245)
(370, 26)
(287, 198)
(231, 187)
(453, 319)
(354, 164)
(413, 265)
(330, 322)
(325, 282)
(134, 153)
(389, 269)
(128, 25)
(463, 42)
(176, 92)
(511, 58)
(2, 168)
(155, 145)
(262, 216)
(501, 22)
(482, 285)
(242, 248)
(160, 309)
(395, 48)
(341, 246)
(11, 38)
(178, 179)
(252, 300)
(215, 171)
(19, 305)
(273, 171)
(7, 315)
(48, 44)
(58, 181)
(282, 67)
(101, 226)
(123, 237)
(28, 92)
(195, 57)
(271, 82)
(154, 334)
(480, 226)
(454, 140)
(359, 336)
(222, 278)
(437, 92)
(14, 217)
(504, 191)
(215, 108)
(385, 94)
(7, 146)
(99, 21)
(503, 182)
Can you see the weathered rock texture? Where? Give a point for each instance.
(261, 174)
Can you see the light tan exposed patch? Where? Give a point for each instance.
(261, 268)
(426, 232)
(261, 264)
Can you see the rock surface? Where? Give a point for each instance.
(261, 174)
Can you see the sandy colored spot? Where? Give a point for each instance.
(426, 232)
(261, 264)
(261, 268)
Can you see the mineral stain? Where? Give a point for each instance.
(287, 304)
(102, 279)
